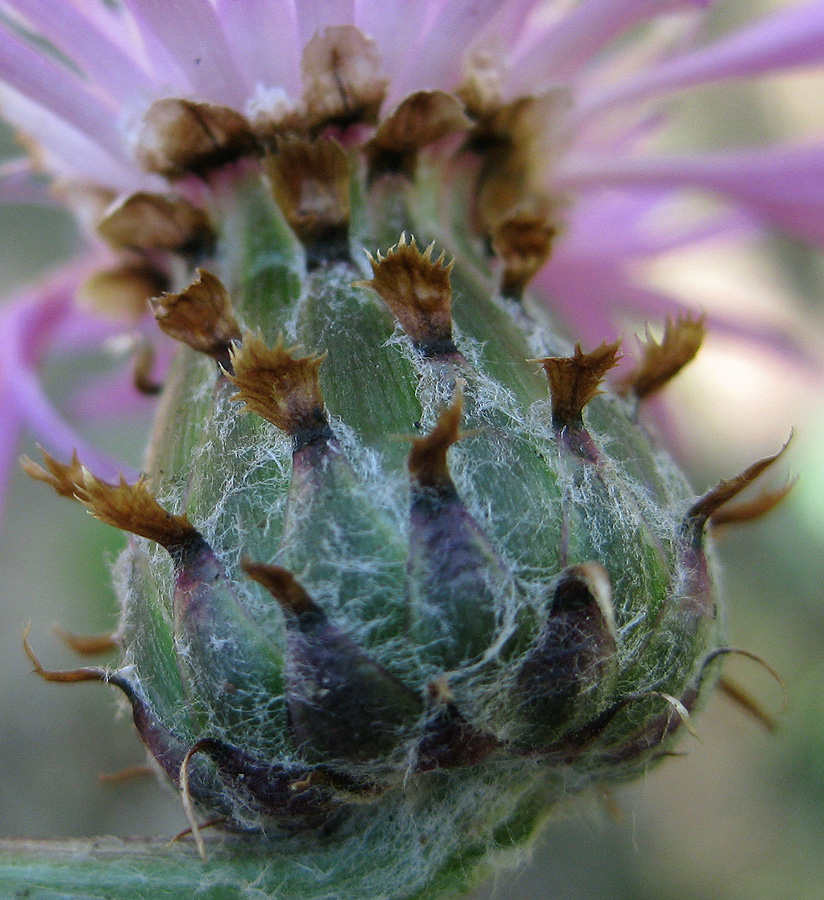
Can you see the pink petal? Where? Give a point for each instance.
(106, 65)
(56, 88)
(28, 327)
(114, 394)
(10, 431)
(577, 37)
(315, 15)
(436, 60)
(631, 226)
(504, 31)
(784, 186)
(62, 150)
(191, 32)
(396, 29)
(788, 39)
(20, 184)
(268, 33)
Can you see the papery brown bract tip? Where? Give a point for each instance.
(130, 507)
(87, 644)
(310, 182)
(281, 584)
(278, 385)
(63, 477)
(146, 222)
(662, 361)
(181, 137)
(575, 380)
(427, 458)
(420, 119)
(515, 141)
(122, 292)
(143, 369)
(67, 676)
(342, 81)
(751, 510)
(523, 241)
(417, 290)
(707, 506)
(200, 316)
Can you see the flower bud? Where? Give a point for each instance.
(403, 569)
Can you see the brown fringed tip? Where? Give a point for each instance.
(122, 292)
(181, 137)
(200, 316)
(143, 363)
(310, 182)
(280, 386)
(575, 380)
(750, 510)
(706, 507)
(342, 81)
(64, 478)
(68, 676)
(417, 290)
(427, 458)
(515, 142)
(145, 221)
(420, 119)
(281, 584)
(662, 361)
(523, 241)
(88, 644)
(130, 507)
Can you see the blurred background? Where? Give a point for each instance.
(740, 816)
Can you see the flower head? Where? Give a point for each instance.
(401, 650)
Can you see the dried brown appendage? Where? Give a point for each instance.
(63, 477)
(129, 773)
(421, 119)
(130, 507)
(342, 80)
(87, 644)
(662, 361)
(741, 697)
(342, 704)
(707, 507)
(143, 369)
(163, 222)
(481, 90)
(457, 580)
(68, 676)
(575, 380)
(181, 137)
(523, 241)
(310, 182)
(200, 316)
(749, 511)
(746, 702)
(427, 458)
(281, 584)
(122, 292)
(280, 386)
(417, 290)
(516, 142)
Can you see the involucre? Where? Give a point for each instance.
(403, 571)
